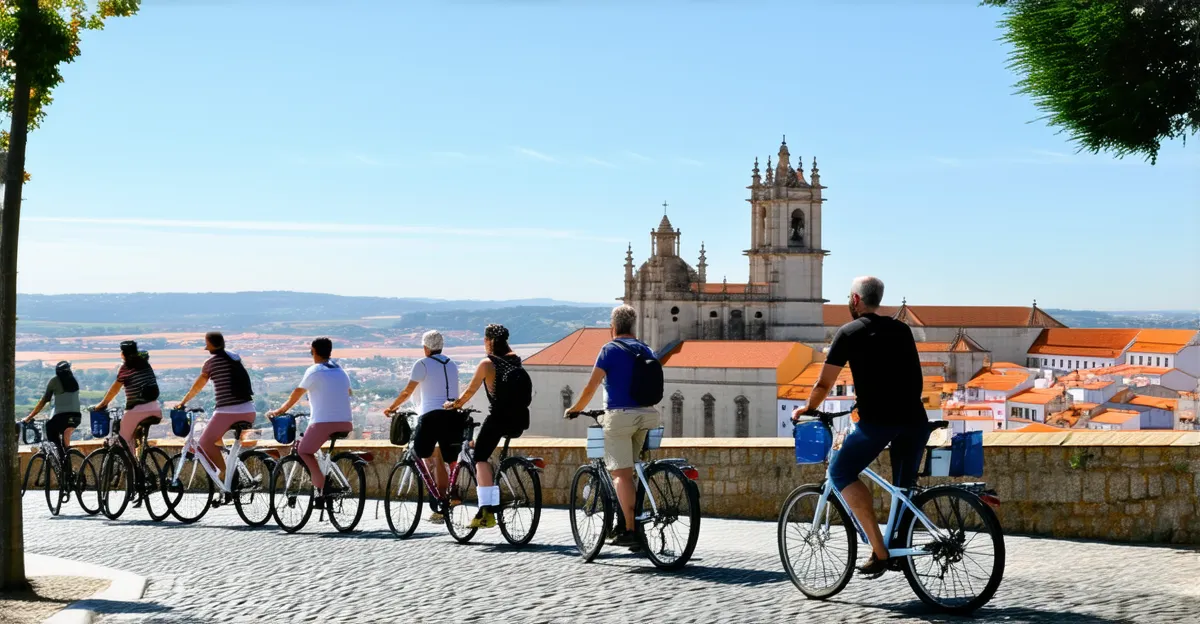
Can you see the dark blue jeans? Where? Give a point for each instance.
(866, 441)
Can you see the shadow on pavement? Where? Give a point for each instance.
(546, 548)
(116, 607)
(743, 577)
(998, 614)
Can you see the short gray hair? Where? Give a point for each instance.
(623, 317)
(869, 289)
(433, 340)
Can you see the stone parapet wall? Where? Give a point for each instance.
(1129, 487)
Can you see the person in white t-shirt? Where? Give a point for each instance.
(329, 392)
(436, 376)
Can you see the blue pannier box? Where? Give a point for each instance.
(966, 454)
(284, 427)
(813, 441)
(101, 423)
(181, 422)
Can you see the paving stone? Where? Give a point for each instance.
(219, 570)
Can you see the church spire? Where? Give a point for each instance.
(629, 263)
(702, 268)
(784, 164)
(755, 178)
(770, 172)
(816, 175)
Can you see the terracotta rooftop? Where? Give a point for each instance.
(1102, 343)
(579, 348)
(1039, 427)
(998, 381)
(1162, 403)
(933, 347)
(710, 288)
(953, 316)
(1163, 340)
(1114, 417)
(730, 354)
(1036, 397)
(800, 387)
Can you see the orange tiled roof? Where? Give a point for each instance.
(966, 344)
(1114, 417)
(997, 381)
(730, 354)
(1038, 428)
(937, 379)
(933, 347)
(710, 288)
(1162, 403)
(953, 316)
(801, 386)
(999, 366)
(1086, 406)
(1066, 417)
(1162, 340)
(933, 365)
(1105, 343)
(579, 348)
(1036, 397)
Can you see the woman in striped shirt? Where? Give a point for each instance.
(141, 391)
(234, 396)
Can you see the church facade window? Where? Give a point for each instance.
(677, 414)
(742, 417)
(568, 397)
(710, 416)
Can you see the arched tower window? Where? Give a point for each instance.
(797, 231)
(677, 414)
(710, 418)
(742, 416)
(568, 397)
(737, 325)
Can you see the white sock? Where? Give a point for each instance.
(489, 496)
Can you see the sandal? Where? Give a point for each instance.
(873, 568)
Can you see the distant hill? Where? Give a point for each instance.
(1165, 319)
(242, 308)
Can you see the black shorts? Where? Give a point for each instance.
(59, 423)
(441, 428)
(493, 429)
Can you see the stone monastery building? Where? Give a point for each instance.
(739, 356)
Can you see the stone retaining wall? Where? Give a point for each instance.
(1129, 487)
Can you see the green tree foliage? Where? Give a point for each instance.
(1116, 75)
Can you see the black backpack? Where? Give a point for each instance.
(149, 392)
(239, 379)
(513, 393)
(646, 382)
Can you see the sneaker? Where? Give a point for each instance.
(627, 539)
(484, 520)
(873, 568)
(437, 518)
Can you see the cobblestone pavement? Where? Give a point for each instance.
(219, 570)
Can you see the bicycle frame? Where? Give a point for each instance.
(610, 490)
(191, 444)
(327, 466)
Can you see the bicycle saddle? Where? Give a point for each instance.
(340, 435)
(239, 427)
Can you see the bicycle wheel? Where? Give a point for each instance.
(34, 469)
(403, 499)
(55, 486)
(520, 501)
(87, 481)
(116, 483)
(291, 494)
(966, 563)
(71, 474)
(252, 487)
(464, 504)
(818, 554)
(669, 535)
(151, 486)
(591, 512)
(189, 489)
(346, 500)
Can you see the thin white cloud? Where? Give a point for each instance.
(599, 163)
(639, 157)
(534, 154)
(321, 228)
(691, 162)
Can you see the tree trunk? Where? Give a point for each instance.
(12, 542)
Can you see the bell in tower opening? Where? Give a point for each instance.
(797, 237)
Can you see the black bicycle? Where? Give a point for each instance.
(667, 511)
(125, 476)
(47, 469)
(518, 478)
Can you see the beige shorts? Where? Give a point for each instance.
(625, 433)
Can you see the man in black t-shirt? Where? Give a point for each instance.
(883, 360)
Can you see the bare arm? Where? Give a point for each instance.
(112, 394)
(829, 374)
(37, 408)
(296, 395)
(589, 391)
(404, 394)
(486, 371)
(196, 388)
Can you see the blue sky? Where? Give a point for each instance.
(512, 149)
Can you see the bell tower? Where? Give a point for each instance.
(785, 252)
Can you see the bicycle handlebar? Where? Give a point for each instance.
(818, 415)
(590, 413)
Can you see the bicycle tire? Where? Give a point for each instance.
(54, 487)
(585, 498)
(156, 466)
(39, 460)
(346, 508)
(989, 523)
(513, 492)
(76, 459)
(404, 475)
(805, 517)
(460, 514)
(252, 487)
(670, 503)
(116, 480)
(189, 490)
(87, 481)
(291, 494)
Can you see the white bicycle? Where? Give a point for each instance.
(292, 488)
(192, 480)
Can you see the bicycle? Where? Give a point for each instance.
(194, 479)
(291, 490)
(811, 515)
(122, 478)
(594, 499)
(518, 477)
(58, 483)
